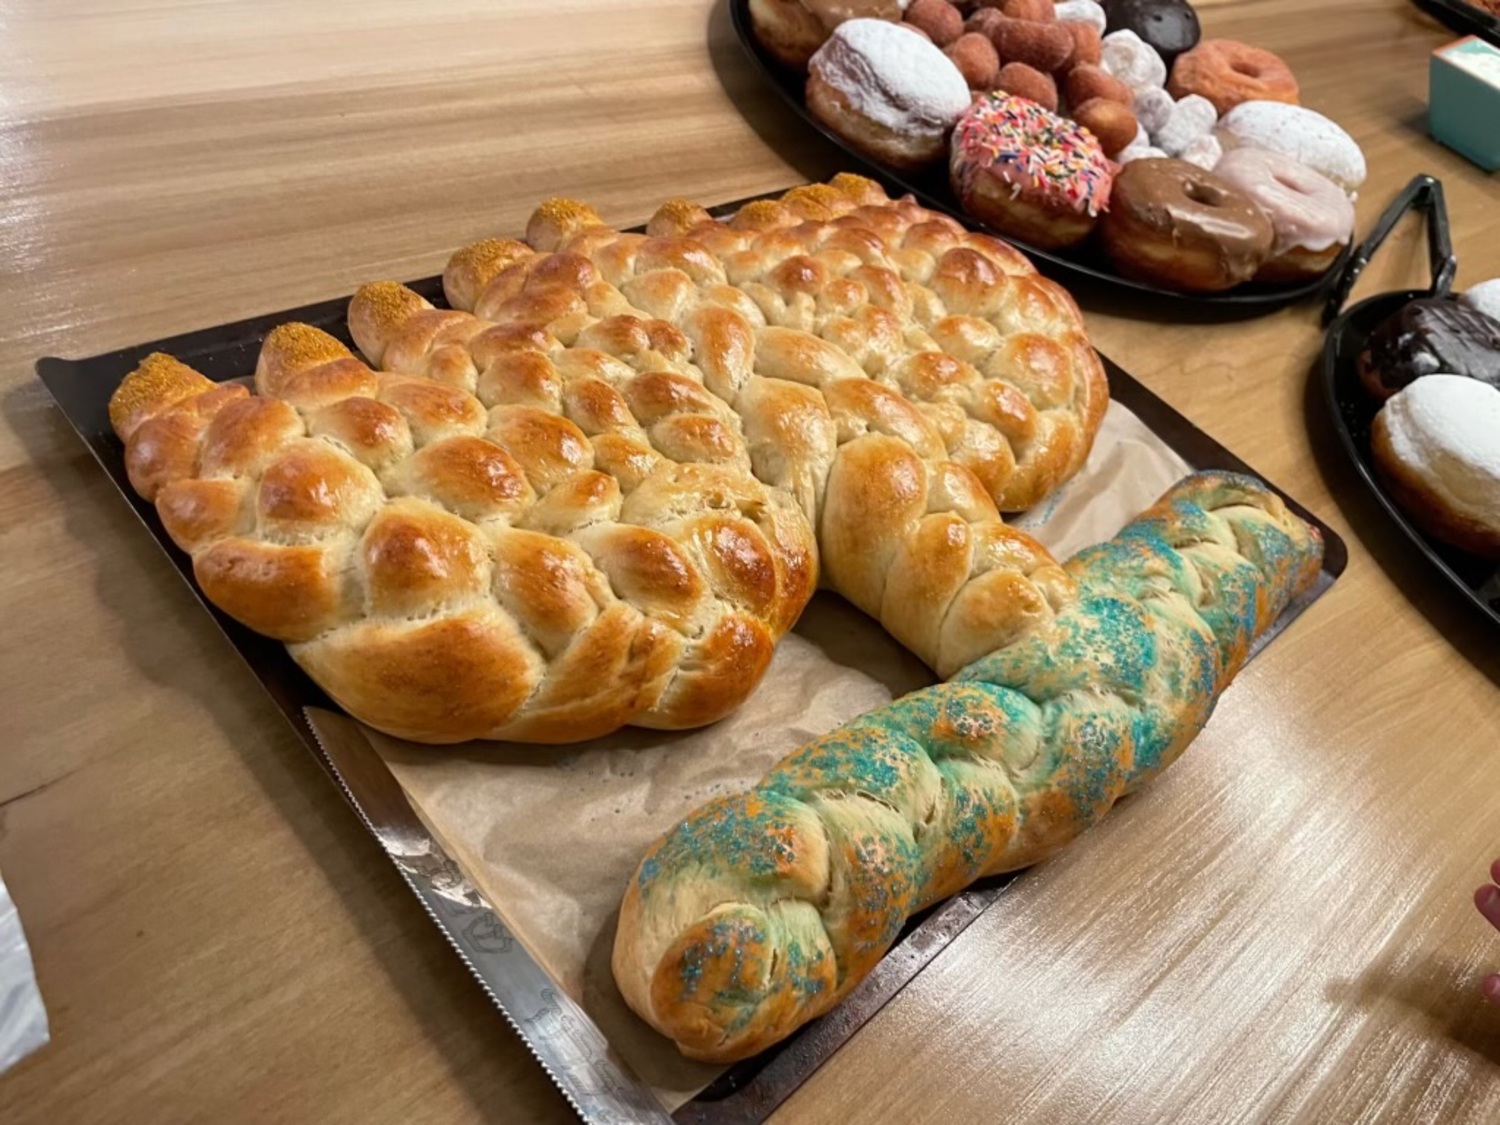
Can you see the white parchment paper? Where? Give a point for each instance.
(550, 835)
(23, 1019)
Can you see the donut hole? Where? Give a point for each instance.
(1206, 194)
(1245, 68)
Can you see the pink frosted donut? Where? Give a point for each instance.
(1311, 215)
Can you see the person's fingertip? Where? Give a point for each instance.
(1492, 988)
(1487, 898)
(1495, 871)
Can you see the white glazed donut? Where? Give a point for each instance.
(1132, 60)
(1293, 130)
(1192, 117)
(1437, 445)
(1083, 11)
(1485, 297)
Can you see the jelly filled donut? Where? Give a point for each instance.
(1227, 73)
(1172, 223)
(1312, 217)
(1428, 336)
(887, 90)
(1028, 172)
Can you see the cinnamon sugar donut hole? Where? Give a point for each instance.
(940, 19)
(1044, 46)
(975, 57)
(1027, 82)
(1085, 83)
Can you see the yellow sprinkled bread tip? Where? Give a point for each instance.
(859, 189)
(559, 219)
(381, 303)
(676, 216)
(815, 201)
(486, 260)
(302, 345)
(159, 382)
(760, 215)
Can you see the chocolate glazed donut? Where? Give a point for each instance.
(1429, 336)
(1171, 26)
(1172, 223)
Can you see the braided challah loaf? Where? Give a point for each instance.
(601, 487)
(762, 910)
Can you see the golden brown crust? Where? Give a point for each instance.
(620, 462)
(1427, 507)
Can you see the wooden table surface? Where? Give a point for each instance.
(1280, 928)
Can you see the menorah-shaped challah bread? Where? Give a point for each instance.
(763, 909)
(601, 487)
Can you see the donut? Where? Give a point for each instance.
(1112, 124)
(1436, 446)
(1133, 61)
(1228, 72)
(1170, 26)
(1428, 336)
(975, 57)
(1037, 10)
(1027, 82)
(1312, 217)
(1174, 224)
(1082, 11)
(1088, 48)
(1085, 83)
(1204, 152)
(1153, 108)
(1028, 172)
(1189, 119)
(1293, 130)
(886, 90)
(1044, 46)
(792, 30)
(1485, 297)
(938, 18)
(985, 21)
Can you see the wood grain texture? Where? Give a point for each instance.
(1279, 929)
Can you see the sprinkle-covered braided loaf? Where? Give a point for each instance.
(762, 910)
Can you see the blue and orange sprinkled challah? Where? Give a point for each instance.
(762, 910)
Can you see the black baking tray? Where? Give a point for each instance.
(1463, 18)
(1088, 264)
(1352, 409)
(750, 1091)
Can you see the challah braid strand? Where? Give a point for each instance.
(761, 911)
(907, 533)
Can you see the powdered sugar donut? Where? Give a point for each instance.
(1437, 447)
(1132, 60)
(1189, 119)
(1084, 11)
(1311, 215)
(1484, 297)
(1205, 152)
(887, 90)
(1153, 106)
(1296, 131)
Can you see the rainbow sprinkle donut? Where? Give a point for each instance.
(1029, 173)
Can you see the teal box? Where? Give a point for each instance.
(1464, 100)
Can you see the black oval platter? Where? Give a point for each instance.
(931, 189)
(1353, 411)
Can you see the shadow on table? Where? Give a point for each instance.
(1442, 991)
(1445, 607)
(430, 980)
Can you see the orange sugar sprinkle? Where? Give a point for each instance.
(761, 214)
(566, 212)
(159, 382)
(489, 258)
(302, 345)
